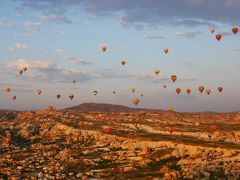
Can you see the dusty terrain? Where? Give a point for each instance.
(74, 145)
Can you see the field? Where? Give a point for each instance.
(124, 145)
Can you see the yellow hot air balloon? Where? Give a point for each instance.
(133, 90)
(170, 108)
(135, 101)
(123, 62)
(157, 71)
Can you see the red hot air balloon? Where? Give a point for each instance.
(212, 30)
(81, 124)
(235, 30)
(218, 37)
(178, 90)
(213, 128)
(107, 130)
(188, 91)
(166, 50)
(171, 130)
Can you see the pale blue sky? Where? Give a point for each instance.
(60, 41)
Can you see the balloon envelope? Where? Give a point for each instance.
(188, 91)
(212, 30)
(174, 78)
(220, 89)
(201, 89)
(166, 50)
(107, 130)
(157, 71)
(133, 90)
(235, 30)
(213, 128)
(218, 37)
(178, 90)
(208, 91)
(171, 130)
(8, 90)
(135, 101)
(123, 62)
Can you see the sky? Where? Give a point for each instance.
(59, 41)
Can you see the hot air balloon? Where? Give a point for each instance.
(171, 130)
(235, 30)
(135, 101)
(157, 71)
(174, 78)
(39, 92)
(74, 81)
(213, 128)
(20, 71)
(8, 90)
(212, 30)
(188, 91)
(14, 97)
(218, 37)
(133, 90)
(123, 62)
(25, 68)
(178, 90)
(107, 130)
(141, 95)
(94, 93)
(103, 48)
(220, 89)
(58, 96)
(71, 96)
(164, 86)
(81, 123)
(201, 89)
(114, 92)
(166, 50)
(208, 91)
(170, 108)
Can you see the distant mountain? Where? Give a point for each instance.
(7, 110)
(102, 107)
